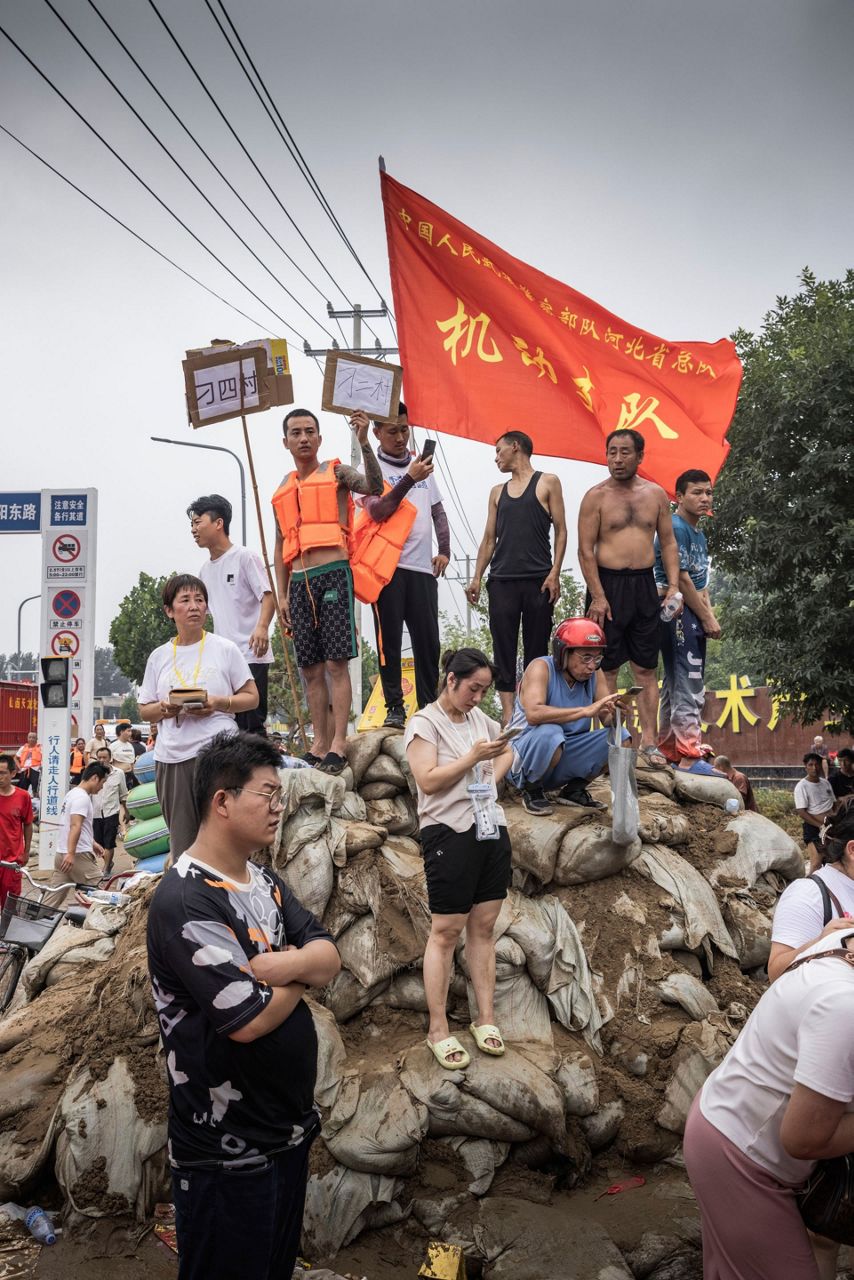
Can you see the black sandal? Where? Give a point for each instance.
(312, 759)
(333, 763)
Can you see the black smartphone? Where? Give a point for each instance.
(428, 450)
(635, 689)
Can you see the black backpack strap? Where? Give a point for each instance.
(829, 900)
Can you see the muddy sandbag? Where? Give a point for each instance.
(360, 952)
(662, 821)
(331, 1054)
(383, 769)
(601, 1127)
(521, 1010)
(536, 841)
(76, 946)
(704, 789)
(750, 929)
(345, 996)
(556, 960)
(689, 993)
(362, 749)
(576, 1078)
(403, 855)
(376, 1126)
(700, 922)
(762, 847)
(405, 991)
(107, 1155)
(343, 1203)
(515, 1086)
(481, 1158)
(66, 968)
(311, 788)
(396, 815)
(310, 874)
(702, 1047)
(360, 836)
(378, 790)
(351, 808)
(588, 853)
(452, 1111)
(658, 780)
(393, 747)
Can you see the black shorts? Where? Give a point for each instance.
(812, 835)
(106, 830)
(322, 614)
(461, 870)
(633, 632)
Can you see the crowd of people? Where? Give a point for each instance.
(232, 951)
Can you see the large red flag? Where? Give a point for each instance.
(489, 343)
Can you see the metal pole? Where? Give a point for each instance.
(218, 448)
(355, 459)
(468, 602)
(20, 607)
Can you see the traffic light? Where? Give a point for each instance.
(55, 673)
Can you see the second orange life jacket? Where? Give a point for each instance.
(376, 549)
(308, 515)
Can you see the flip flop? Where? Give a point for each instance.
(442, 1048)
(653, 757)
(484, 1033)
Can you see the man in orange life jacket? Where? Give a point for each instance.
(314, 521)
(411, 597)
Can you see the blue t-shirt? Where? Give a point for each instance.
(693, 554)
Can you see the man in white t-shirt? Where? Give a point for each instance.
(76, 847)
(106, 806)
(241, 602)
(411, 598)
(814, 801)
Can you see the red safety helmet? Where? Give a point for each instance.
(576, 633)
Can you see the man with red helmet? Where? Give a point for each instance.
(558, 699)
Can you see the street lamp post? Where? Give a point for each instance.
(20, 608)
(192, 444)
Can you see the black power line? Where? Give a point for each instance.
(243, 147)
(207, 156)
(291, 144)
(144, 184)
(260, 324)
(111, 82)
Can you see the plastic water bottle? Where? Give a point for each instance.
(732, 805)
(108, 897)
(671, 607)
(40, 1226)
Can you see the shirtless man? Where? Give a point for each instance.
(314, 514)
(617, 525)
(524, 578)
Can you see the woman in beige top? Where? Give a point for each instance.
(457, 757)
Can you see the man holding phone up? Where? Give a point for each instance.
(411, 598)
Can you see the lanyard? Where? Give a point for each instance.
(197, 667)
(457, 733)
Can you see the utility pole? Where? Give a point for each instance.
(379, 352)
(468, 602)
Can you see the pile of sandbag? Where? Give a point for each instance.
(623, 974)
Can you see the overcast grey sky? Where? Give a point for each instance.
(677, 161)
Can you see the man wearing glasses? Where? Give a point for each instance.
(559, 697)
(231, 953)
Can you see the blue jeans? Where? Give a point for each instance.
(241, 1222)
(680, 714)
(583, 755)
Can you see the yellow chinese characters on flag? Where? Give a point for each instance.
(489, 343)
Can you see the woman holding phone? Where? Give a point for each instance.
(457, 756)
(193, 687)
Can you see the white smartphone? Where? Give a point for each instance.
(507, 735)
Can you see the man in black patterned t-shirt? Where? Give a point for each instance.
(231, 952)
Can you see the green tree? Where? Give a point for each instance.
(280, 696)
(129, 710)
(784, 530)
(140, 626)
(370, 670)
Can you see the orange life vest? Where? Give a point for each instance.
(308, 515)
(376, 548)
(30, 758)
(78, 760)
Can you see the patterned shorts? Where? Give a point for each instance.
(322, 616)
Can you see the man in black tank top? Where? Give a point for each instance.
(524, 579)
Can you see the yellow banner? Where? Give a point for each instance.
(375, 712)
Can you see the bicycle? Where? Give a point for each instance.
(26, 925)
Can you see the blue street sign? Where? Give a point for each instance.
(68, 508)
(20, 512)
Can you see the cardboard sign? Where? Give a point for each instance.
(357, 382)
(225, 380)
(375, 711)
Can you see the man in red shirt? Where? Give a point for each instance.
(739, 780)
(16, 827)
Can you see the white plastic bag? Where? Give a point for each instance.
(625, 816)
